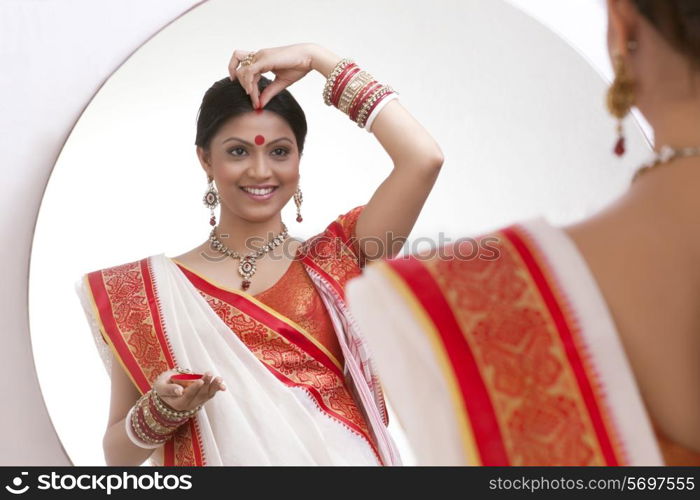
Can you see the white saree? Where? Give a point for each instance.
(152, 318)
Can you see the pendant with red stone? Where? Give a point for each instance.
(299, 219)
(212, 221)
(620, 146)
(246, 269)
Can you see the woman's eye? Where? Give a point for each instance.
(237, 151)
(280, 152)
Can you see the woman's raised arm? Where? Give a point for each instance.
(394, 207)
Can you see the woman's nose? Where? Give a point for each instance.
(259, 168)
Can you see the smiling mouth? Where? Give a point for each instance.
(259, 191)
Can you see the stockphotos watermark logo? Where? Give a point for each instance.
(101, 482)
(17, 485)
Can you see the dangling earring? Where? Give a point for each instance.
(298, 198)
(620, 97)
(211, 200)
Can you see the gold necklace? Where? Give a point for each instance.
(665, 154)
(246, 268)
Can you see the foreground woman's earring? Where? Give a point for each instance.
(620, 97)
(211, 200)
(298, 198)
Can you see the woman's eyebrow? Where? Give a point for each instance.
(250, 144)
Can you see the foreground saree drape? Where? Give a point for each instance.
(505, 355)
(288, 400)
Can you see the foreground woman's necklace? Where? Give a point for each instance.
(665, 155)
(246, 268)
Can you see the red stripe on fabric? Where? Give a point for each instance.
(337, 229)
(319, 400)
(155, 312)
(160, 334)
(334, 230)
(104, 309)
(475, 396)
(196, 442)
(566, 337)
(308, 260)
(263, 316)
(169, 454)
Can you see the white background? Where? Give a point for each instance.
(518, 112)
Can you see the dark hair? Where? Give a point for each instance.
(226, 99)
(678, 21)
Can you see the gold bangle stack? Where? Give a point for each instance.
(170, 412)
(330, 81)
(367, 106)
(353, 91)
(154, 422)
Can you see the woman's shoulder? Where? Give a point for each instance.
(344, 224)
(129, 268)
(340, 232)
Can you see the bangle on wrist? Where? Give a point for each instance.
(128, 424)
(356, 93)
(151, 422)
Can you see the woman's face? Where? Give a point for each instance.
(254, 161)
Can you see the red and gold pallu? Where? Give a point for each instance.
(288, 399)
(501, 351)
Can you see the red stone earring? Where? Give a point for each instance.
(620, 98)
(298, 198)
(211, 200)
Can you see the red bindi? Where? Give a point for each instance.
(259, 140)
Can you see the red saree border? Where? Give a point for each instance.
(575, 347)
(474, 394)
(247, 304)
(106, 317)
(334, 231)
(476, 397)
(154, 305)
(308, 260)
(185, 447)
(241, 302)
(318, 399)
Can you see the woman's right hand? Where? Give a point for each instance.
(289, 64)
(197, 393)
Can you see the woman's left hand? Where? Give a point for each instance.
(289, 64)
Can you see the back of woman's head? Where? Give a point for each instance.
(227, 99)
(678, 21)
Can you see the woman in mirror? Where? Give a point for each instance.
(565, 346)
(294, 384)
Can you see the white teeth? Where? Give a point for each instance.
(257, 191)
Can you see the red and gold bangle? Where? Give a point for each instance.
(351, 90)
(341, 77)
(159, 418)
(150, 434)
(360, 99)
(355, 92)
(341, 82)
(139, 427)
(373, 106)
(152, 422)
(170, 413)
(330, 81)
(370, 103)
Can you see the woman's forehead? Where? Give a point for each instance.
(254, 123)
